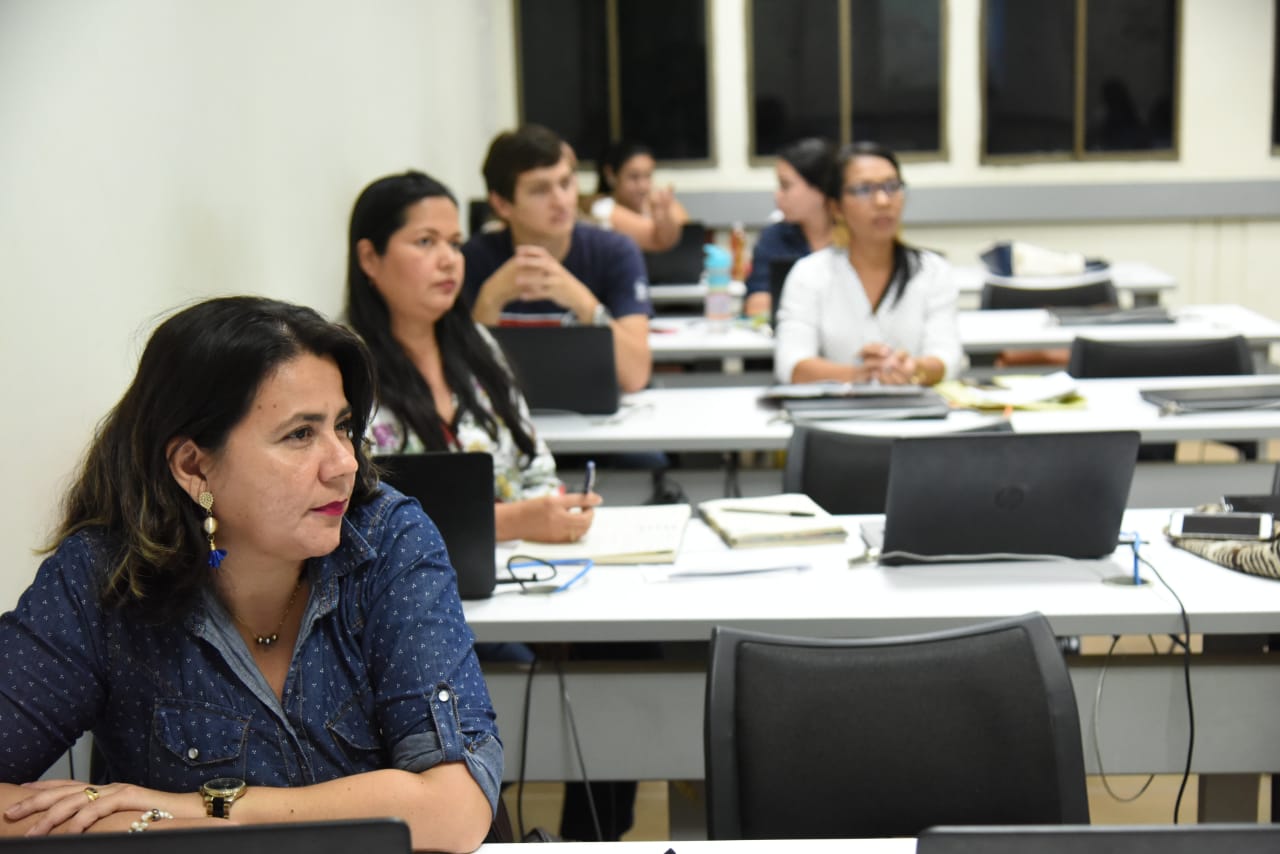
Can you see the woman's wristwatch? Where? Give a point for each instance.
(220, 793)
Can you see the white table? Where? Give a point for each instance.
(724, 419)
(994, 331)
(643, 720)
(687, 339)
(1144, 281)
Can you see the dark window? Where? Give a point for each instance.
(846, 69)
(795, 75)
(897, 73)
(662, 69)
(1071, 78)
(564, 77)
(1030, 73)
(596, 71)
(1129, 75)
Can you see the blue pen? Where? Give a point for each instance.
(589, 482)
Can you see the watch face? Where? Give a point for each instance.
(223, 786)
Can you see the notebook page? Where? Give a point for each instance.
(646, 534)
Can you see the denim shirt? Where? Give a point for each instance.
(383, 674)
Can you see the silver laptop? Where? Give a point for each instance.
(1006, 495)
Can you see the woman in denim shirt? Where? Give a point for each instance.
(234, 598)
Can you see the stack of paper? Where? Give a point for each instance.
(648, 534)
(788, 519)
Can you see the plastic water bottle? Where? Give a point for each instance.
(715, 275)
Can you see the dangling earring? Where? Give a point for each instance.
(210, 526)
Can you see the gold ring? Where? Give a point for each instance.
(91, 793)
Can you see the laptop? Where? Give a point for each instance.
(1182, 401)
(1101, 839)
(1083, 315)
(816, 401)
(368, 836)
(682, 263)
(456, 491)
(990, 496)
(563, 368)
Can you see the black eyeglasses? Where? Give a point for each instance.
(866, 191)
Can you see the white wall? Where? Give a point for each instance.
(154, 152)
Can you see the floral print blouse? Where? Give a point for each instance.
(516, 476)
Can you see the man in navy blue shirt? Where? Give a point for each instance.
(546, 268)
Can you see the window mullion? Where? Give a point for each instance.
(1081, 78)
(844, 17)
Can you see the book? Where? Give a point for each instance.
(646, 534)
(771, 520)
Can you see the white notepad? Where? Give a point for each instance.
(646, 534)
(770, 520)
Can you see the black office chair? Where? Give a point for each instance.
(478, 213)
(845, 472)
(1008, 296)
(682, 263)
(876, 737)
(778, 270)
(1093, 359)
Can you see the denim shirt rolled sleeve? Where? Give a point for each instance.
(433, 704)
(383, 674)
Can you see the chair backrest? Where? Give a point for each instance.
(478, 213)
(682, 263)
(874, 737)
(1205, 357)
(1006, 296)
(778, 270)
(845, 472)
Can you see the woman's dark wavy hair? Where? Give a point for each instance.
(906, 259)
(812, 158)
(614, 158)
(197, 378)
(378, 213)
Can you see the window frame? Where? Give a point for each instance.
(844, 40)
(1078, 153)
(614, 87)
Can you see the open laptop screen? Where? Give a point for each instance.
(990, 496)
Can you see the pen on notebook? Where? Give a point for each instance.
(767, 511)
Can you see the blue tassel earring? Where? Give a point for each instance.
(210, 526)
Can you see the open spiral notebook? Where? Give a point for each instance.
(644, 534)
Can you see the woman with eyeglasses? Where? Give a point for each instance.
(868, 308)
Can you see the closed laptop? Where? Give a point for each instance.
(991, 496)
(368, 836)
(563, 368)
(1219, 398)
(456, 491)
(1101, 839)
